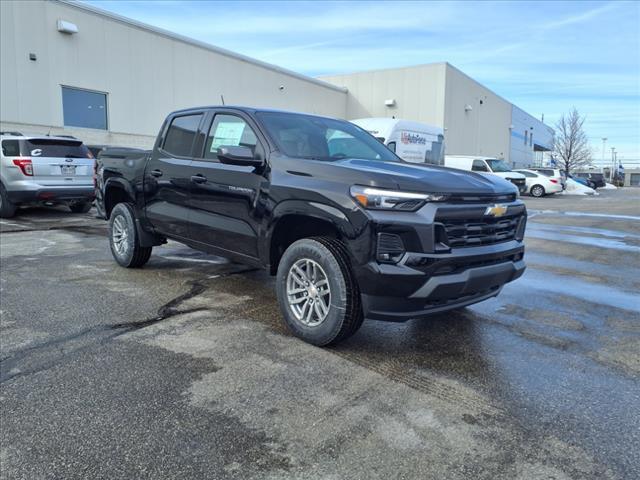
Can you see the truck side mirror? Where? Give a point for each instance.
(238, 155)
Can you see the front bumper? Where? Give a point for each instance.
(400, 292)
(438, 273)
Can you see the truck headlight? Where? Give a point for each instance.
(381, 199)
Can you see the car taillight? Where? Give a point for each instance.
(553, 180)
(25, 165)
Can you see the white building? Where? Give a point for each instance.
(111, 80)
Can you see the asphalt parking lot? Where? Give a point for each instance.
(183, 369)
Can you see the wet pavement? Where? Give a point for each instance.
(183, 369)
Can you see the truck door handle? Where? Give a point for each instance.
(156, 173)
(198, 178)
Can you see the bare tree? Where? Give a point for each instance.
(570, 145)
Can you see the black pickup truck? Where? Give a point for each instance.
(350, 230)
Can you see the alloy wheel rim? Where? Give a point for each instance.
(308, 292)
(120, 235)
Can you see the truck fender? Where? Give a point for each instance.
(320, 211)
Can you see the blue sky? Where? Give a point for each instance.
(543, 56)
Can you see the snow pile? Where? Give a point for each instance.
(575, 188)
(609, 186)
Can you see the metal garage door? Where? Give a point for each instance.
(635, 179)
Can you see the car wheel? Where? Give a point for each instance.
(123, 238)
(317, 291)
(80, 207)
(537, 191)
(7, 209)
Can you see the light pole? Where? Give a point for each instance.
(613, 160)
(604, 140)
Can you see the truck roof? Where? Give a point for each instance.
(246, 109)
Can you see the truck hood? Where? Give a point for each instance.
(418, 177)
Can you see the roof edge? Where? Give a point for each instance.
(196, 43)
(375, 70)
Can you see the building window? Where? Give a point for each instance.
(526, 137)
(84, 108)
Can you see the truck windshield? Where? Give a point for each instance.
(498, 165)
(318, 138)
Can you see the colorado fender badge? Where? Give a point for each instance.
(496, 210)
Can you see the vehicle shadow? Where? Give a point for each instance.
(449, 343)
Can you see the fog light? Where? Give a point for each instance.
(390, 248)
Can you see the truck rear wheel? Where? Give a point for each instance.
(123, 238)
(317, 292)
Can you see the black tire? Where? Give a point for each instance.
(80, 207)
(127, 253)
(7, 209)
(537, 191)
(344, 317)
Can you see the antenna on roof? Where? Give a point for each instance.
(222, 98)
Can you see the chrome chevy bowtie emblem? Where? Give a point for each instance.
(496, 210)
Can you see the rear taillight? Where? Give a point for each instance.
(25, 165)
(553, 180)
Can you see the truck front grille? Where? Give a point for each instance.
(519, 182)
(471, 233)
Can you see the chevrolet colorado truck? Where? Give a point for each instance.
(350, 230)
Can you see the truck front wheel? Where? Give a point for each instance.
(123, 238)
(317, 292)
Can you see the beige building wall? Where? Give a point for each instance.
(418, 91)
(145, 72)
(476, 120)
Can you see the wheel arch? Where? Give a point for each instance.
(116, 190)
(294, 220)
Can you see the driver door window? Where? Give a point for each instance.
(229, 130)
(479, 166)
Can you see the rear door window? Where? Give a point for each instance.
(181, 134)
(49, 147)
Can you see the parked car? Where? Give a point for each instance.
(594, 179)
(539, 185)
(554, 173)
(583, 181)
(492, 166)
(44, 169)
(350, 230)
(413, 142)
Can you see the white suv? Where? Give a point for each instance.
(39, 169)
(539, 184)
